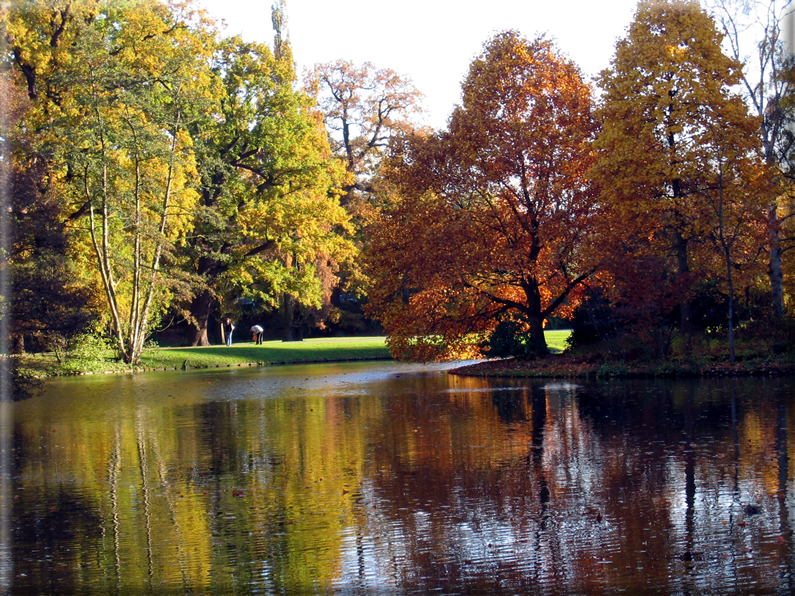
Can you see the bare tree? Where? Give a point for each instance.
(767, 79)
(363, 107)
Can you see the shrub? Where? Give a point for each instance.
(509, 338)
(594, 320)
(612, 369)
(89, 352)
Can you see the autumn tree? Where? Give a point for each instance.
(735, 189)
(767, 79)
(489, 219)
(269, 225)
(48, 303)
(44, 297)
(112, 109)
(363, 108)
(674, 139)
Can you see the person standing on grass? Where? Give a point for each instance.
(257, 332)
(228, 327)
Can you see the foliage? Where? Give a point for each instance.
(509, 338)
(270, 227)
(178, 167)
(363, 107)
(23, 384)
(111, 126)
(89, 351)
(47, 297)
(594, 319)
(767, 78)
(488, 218)
(676, 167)
(611, 369)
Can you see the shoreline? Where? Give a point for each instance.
(145, 369)
(561, 367)
(243, 355)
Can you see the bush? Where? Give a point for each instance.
(594, 320)
(509, 338)
(89, 352)
(612, 369)
(22, 383)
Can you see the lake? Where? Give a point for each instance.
(362, 478)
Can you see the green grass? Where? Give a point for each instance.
(556, 340)
(239, 354)
(270, 352)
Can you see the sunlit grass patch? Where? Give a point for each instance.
(270, 352)
(556, 339)
(239, 354)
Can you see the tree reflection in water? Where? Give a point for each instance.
(381, 476)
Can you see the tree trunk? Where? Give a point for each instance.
(685, 310)
(200, 309)
(287, 317)
(201, 306)
(731, 305)
(17, 343)
(538, 343)
(774, 265)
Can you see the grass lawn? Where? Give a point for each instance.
(269, 352)
(556, 340)
(239, 354)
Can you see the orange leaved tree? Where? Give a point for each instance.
(487, 221)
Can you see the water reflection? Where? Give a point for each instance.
(362, 477)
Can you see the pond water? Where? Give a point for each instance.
(365, 478)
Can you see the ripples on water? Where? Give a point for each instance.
(358, 478)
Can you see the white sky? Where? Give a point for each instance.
(431, 42)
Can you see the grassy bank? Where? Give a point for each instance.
(240, 354)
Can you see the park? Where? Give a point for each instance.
(265, 331)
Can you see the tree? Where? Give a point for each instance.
(489, 219)
(735, 189)
(46, 304)
(112, 126)
(269, 226)
(363, 108)
(767, 80)
(674, 140)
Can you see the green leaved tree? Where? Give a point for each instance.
(269, 225)
(111, 117)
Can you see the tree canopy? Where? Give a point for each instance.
(488, 219)
(187, 168)
(677, 167)
(164, 171)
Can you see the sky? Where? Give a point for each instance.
(431, 42)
